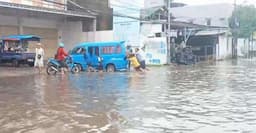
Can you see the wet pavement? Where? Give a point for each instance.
(205, 98)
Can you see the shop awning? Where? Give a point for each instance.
(210, 32)
(20, 37)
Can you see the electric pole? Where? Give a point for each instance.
(168, 32)
(234, 30)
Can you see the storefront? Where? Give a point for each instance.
(52, 25)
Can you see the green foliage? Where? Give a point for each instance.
(243, 21)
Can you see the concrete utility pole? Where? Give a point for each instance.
(168, 32)
(234, 42)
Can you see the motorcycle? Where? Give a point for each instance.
(53, 66)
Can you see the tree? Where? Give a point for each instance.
(243, 21)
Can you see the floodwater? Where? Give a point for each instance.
(205, 98)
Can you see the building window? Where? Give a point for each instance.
(158, 34)
(87, 25)
(191, 21)
(208, 22)
(222, 19)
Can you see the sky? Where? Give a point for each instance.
(128, 3)
(140, 3)
(202, 2)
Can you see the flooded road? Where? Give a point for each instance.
(206, 98)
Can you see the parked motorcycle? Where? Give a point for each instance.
(53, 66)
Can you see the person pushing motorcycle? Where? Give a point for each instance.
(61, 56)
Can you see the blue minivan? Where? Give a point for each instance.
(112, 54)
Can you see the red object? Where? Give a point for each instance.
(61, 54)
(11, 39)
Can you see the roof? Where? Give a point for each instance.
(180, 24)
(151, 10)
(210, 32)
(100, 43)
(217, 13)
(20, 37)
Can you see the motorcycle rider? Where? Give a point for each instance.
(61, 56)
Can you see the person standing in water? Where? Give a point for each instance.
(141, 56)
(39, 58)
(135, 63)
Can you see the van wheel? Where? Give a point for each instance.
(15, 63)
(80, 67)
(75, 70)
(110, 68)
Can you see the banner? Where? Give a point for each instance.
(156, 51)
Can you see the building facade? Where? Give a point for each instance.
(102, 30)
(215, 40)
(126, 21)
(204, 28)
(54, 4)
(53, 21)
(209, 15)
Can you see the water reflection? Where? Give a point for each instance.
(217, 97)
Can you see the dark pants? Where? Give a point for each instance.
(63, 64)
(129, 65)
(143, 64)
(100, 67)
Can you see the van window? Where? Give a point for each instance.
(1, 47)
(90, 50)
(93, 50)
(10, 46)
(108, 50)
(97, 51)
(79, 51)
(118, 49)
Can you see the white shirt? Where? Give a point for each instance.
(39, 62)
(40, 51)
(142, 54)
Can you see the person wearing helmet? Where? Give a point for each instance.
(61, 56)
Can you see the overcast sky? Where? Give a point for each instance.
(201, 2)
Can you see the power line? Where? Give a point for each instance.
(132, 3)
(115, 13)
(125, 7)
(102, 12)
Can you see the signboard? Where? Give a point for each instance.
(153, 3)
(254, 35)
(156, 51)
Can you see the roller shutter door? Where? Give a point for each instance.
(49, 39)
(8, 30)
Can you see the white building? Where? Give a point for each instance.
(211, 44)
(126, 23)
(210, 15)
(203, 27)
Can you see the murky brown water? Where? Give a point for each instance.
(215, 98)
